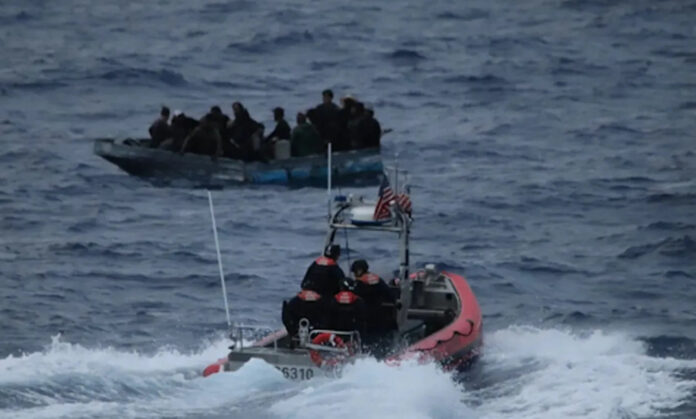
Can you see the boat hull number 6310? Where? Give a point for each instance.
(296, 373)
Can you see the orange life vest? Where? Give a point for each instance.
(308, 295)
(325, 261)
(345, 297)
(369, 279)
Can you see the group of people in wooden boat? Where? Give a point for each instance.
(349, 127)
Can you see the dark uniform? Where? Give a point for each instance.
(348, 312)
(323, 276)
(309, 305)
(375, 292)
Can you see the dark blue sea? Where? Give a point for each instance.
(551, 147)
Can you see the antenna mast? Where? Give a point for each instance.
(219, 259)
(328, 179)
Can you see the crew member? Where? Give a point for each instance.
(349, 312)
(160, 129)
(324, 275)
(306, 304)
(371, 288)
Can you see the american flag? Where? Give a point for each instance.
(386, 195)
(404, 202)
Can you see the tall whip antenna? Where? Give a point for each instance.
(219, 259)
(328, 178)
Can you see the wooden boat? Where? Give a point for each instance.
(164, 167)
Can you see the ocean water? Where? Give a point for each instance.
(552, 160)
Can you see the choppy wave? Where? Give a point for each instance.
(551, 373)
(167, 77)
(530, 373)
(405, 55)
(681, 246)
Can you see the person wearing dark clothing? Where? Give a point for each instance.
(241, 131)
(160, 130)
(324, 275)
(308, 305)
(305, 140)
(219, 119)
(326, 118)
(280, 132)
(358, 131)
(371, 288)
(182, 126)
(282, 129)
(348, 310)
(205, 139)
(373, 130)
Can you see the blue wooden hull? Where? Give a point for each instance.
(163, 167)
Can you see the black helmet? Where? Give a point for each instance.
(347, 284)
(332, 251)
(360, 264)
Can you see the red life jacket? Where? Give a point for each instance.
(325, 261)
(345, 297)
(369, 279)
(308, 295)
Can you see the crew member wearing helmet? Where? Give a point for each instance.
(371, 287)
(349, 311)
(306, 304)
(324, 275)
(380, 320)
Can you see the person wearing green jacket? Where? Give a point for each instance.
(305, 139)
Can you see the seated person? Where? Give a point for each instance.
(371, 288)
(160, 131)
(205, 139)
(241, 131)
(305, 139)
(348, 310)
(324, 275)
(308, 305)
(218, 118)
(282, 129)
(373, 129)
(182, 126)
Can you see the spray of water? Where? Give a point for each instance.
(525, 373)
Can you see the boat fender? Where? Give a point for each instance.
(326, 339)
(215, 368)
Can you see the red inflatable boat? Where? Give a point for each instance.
(436, 316)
